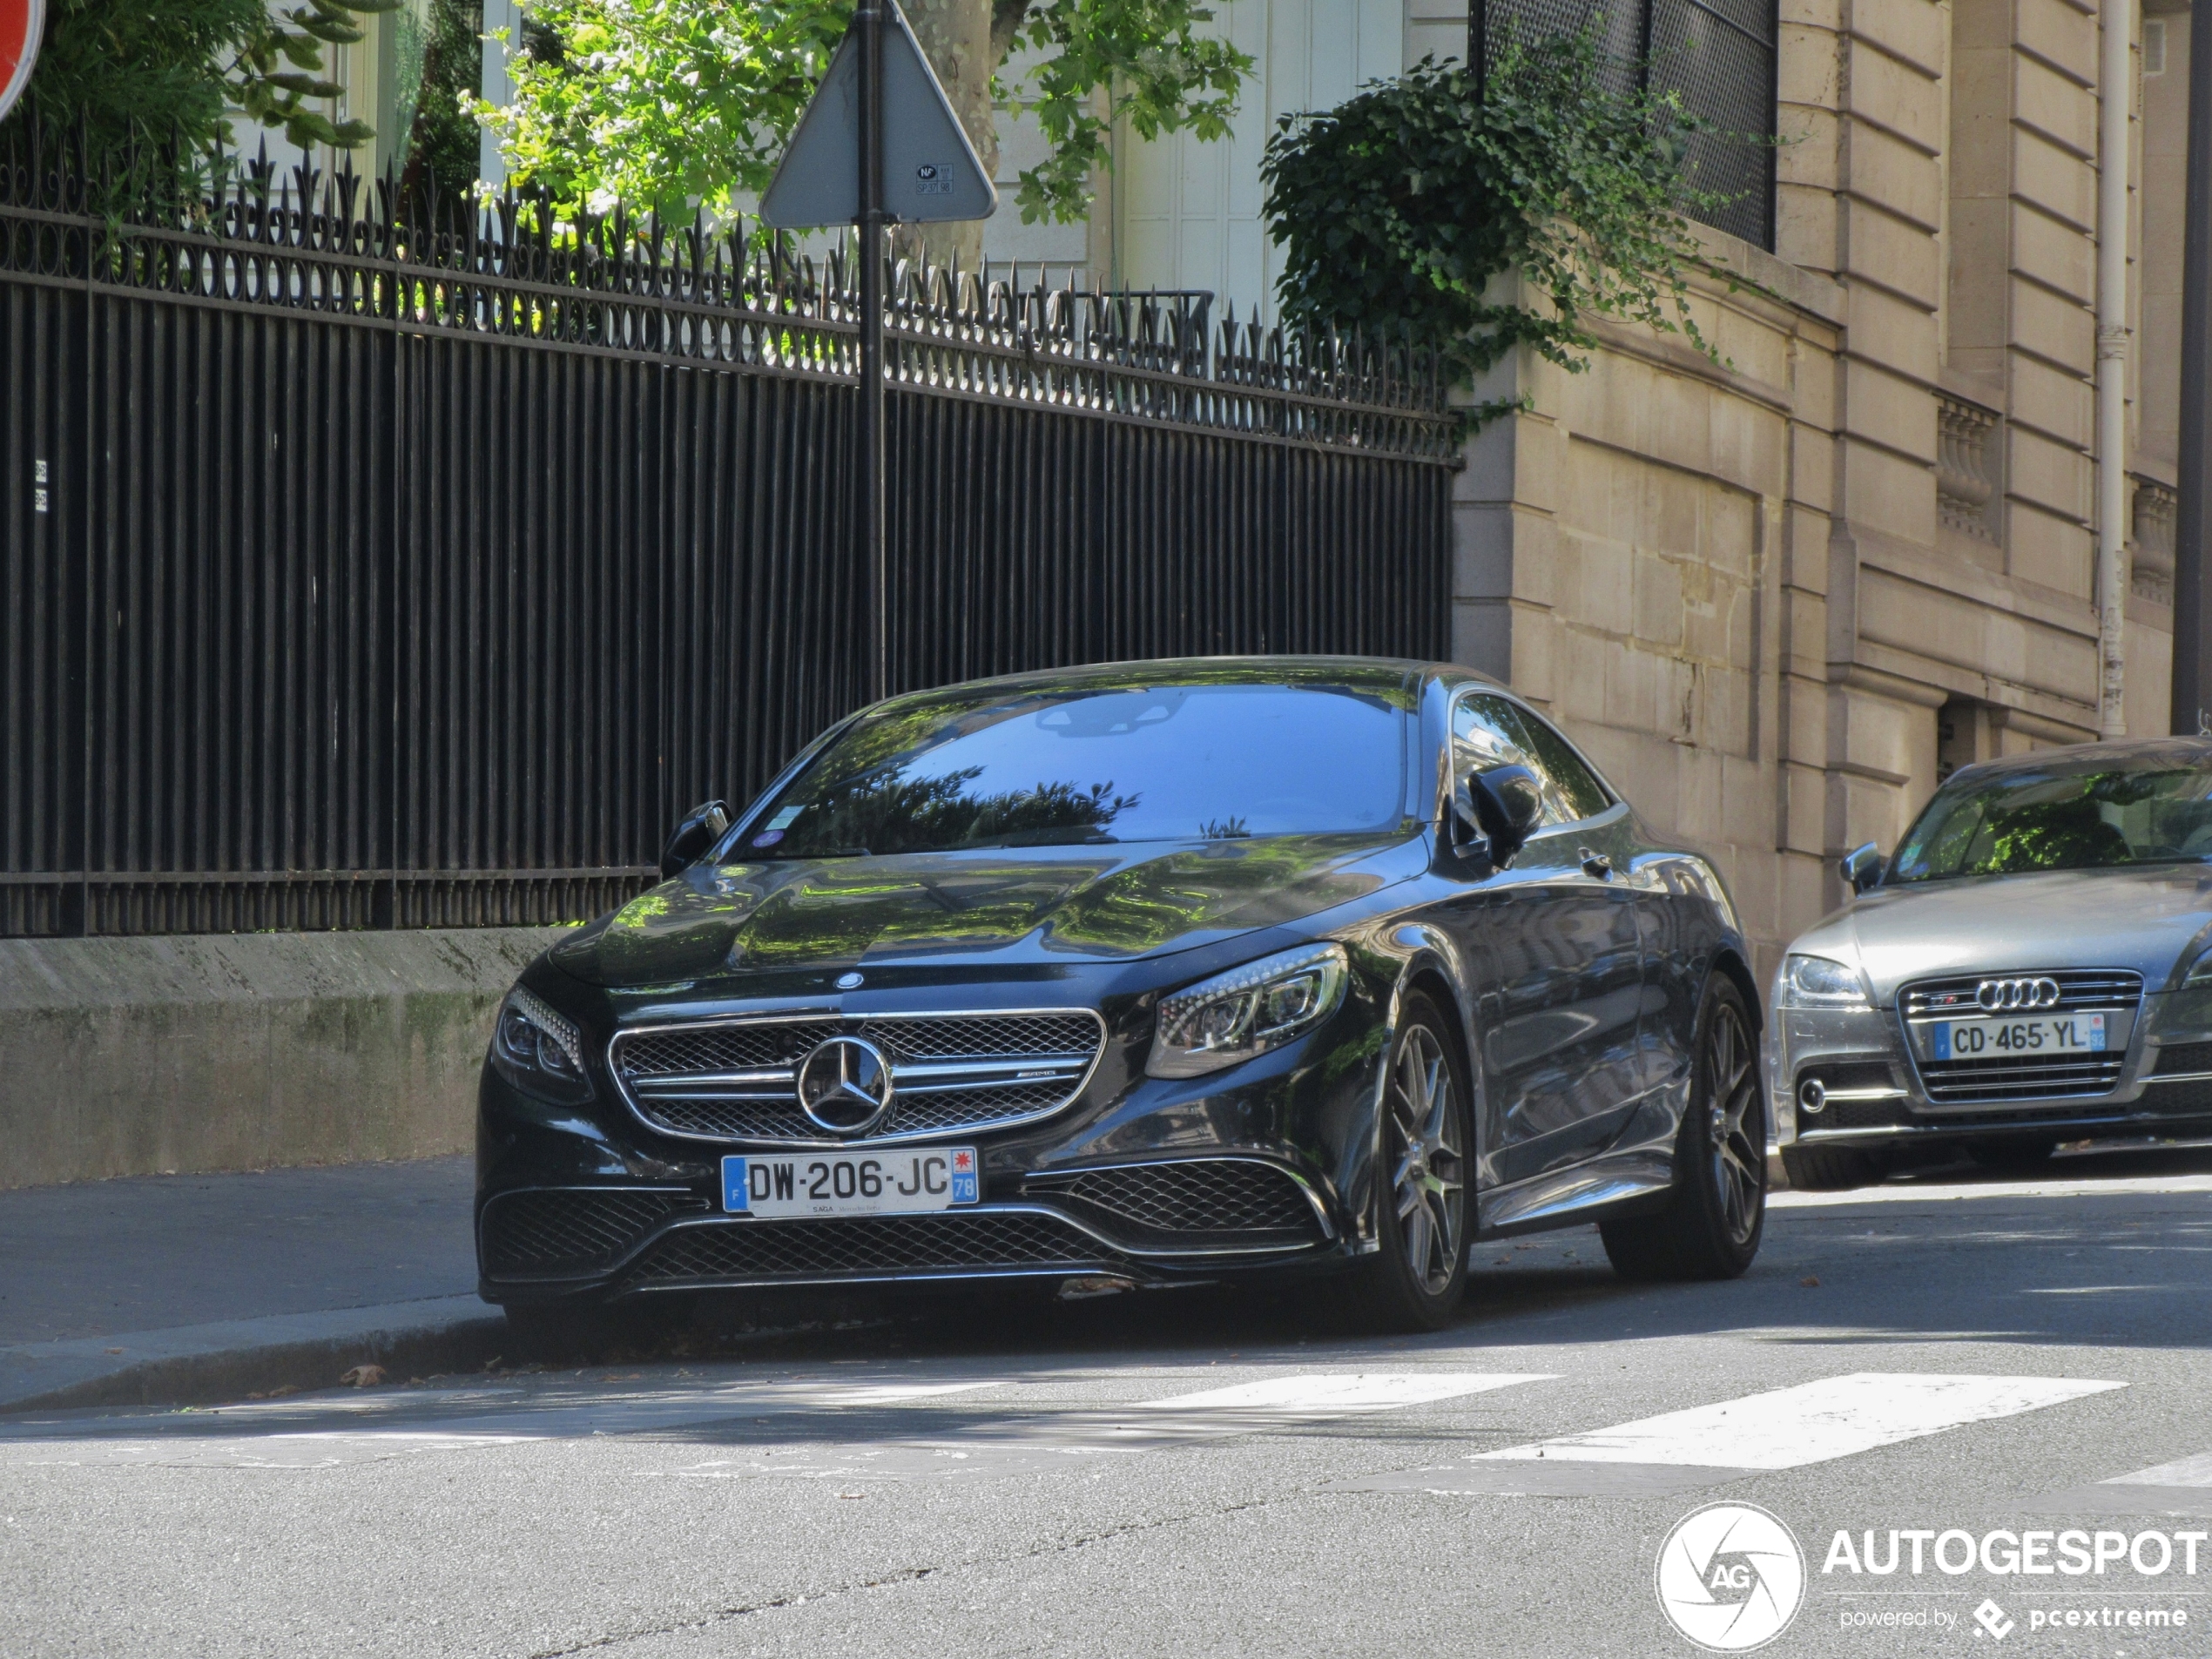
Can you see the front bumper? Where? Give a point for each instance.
(1874, 1096)
(1261, 1168)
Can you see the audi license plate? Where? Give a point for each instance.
(888, 1183)
(2010, 1039)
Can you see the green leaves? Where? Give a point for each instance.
(1156, 70)
(673, 106)
(279, 97)
(682, 106)
(1398, 207)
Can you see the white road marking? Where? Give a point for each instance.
(2187, 1471)
(1814, 1422)
(1334, 1392)
(1029, 1441)
(2087, 1186)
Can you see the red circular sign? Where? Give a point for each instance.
(20, 22)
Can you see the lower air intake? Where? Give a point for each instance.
(861, 1246)
(532, 1234)
(1200, 1194)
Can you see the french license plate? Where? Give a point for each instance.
(799, 1184)
(2011, 1039)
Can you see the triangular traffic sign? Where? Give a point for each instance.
(931, 172)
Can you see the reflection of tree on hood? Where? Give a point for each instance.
(887, 812)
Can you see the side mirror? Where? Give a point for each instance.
(1505, 805)
(1862, 868)
(695, 832)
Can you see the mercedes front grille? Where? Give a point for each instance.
(952, 1074)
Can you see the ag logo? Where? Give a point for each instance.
(1731, 1577)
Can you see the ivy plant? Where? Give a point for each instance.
(1398, 208)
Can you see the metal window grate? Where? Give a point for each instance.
(1719, 56)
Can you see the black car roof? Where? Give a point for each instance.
(1375, 673)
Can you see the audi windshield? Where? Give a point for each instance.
(2069, 814)
(1092, 764)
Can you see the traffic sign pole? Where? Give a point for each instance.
(875, 549)
(878, 144)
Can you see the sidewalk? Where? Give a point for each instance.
(162, 1288)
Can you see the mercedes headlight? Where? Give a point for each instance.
(1818, 982)
(539, 1051)
(1247, 1011)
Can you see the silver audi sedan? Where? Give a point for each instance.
(2033, 965)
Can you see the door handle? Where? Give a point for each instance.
(1596, 864)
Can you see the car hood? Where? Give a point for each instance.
(2142, 918)
(1029, 905)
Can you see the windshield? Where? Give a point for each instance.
(1093, 765)
(2063, 818)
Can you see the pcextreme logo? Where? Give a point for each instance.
(1731, 1577)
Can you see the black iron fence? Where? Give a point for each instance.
(358, 572)
(1718, 56)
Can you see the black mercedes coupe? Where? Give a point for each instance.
(1147, 972)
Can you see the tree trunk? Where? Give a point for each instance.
(956, 36)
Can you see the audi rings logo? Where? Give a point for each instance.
(845, 1086)
(2011, 996)
(1731, 1577)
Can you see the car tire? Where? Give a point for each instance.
(2014, 1152)
(1830, 1168)
(1421, 1208)
(1713, 1222)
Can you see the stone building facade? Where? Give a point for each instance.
(1779, 598)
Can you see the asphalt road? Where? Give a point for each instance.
(1184, 1472)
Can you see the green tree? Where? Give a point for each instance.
(1398, 208)
(442, 134)
(685, 105)
(151, 84)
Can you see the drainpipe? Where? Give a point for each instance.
(2115, 94)
(2192, 659)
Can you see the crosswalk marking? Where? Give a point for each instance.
(1813, 1422)
(1332, 1392)
(1783, 1428)
(2183, 1472)
(1021, 1444)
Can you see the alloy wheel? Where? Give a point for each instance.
(1737, 1123)
(1427, 1176)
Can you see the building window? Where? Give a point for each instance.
(1718, 54)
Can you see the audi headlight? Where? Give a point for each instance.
(539, 1051)
(1247, 1011)
(1818, 982)
(2200, 970)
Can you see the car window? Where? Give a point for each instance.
(2078, 811)
(1559, 763)
(1489, 732)
(1096, 763)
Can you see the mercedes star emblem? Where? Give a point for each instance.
(845, 1086)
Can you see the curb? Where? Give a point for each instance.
(204, 1364)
